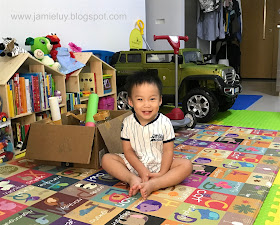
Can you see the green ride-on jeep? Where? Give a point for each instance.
(204, 88)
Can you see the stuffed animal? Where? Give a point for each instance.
(6, 151)
(10, 48)
(41, 47)
(6, 146)
(55, 41)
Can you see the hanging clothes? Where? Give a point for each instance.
(240, 17)
(232, 19)
(209, 5)
(210, 25)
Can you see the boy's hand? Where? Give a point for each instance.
(144, 175)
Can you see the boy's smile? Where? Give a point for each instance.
(145, 99)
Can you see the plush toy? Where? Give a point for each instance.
(6, 151)
(10, 48)
(41, 47)
(6, 146)
(65, 57)
(55, 41)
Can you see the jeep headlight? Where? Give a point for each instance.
(233, 74)
(224, 75)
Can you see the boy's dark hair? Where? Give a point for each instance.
(148, 76)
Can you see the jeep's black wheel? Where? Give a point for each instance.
(225, 104)
(202, 103)
(122, 100)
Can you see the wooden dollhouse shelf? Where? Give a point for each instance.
(24, 63)
(92, 65)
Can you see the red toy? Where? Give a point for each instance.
(3, 117)
(177, 117)
(55, 41)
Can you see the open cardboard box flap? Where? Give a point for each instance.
(72, 143)
(111, 131)
(66, 143)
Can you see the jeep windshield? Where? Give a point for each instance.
(193, 57)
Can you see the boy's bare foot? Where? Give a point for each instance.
(134, 186)
(147, 188)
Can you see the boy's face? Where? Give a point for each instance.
(145, 99)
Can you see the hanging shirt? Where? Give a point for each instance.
(210, 25)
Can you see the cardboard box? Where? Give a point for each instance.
(73, 145)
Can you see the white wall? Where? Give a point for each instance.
(171, 14)
(203, 45)
(86, 23)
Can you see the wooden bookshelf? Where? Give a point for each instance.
(93, 65)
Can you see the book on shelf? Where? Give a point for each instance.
(36, 94)
(72, 99)
(46, 100)
(77, 98)
(10, 98)
(29, 77)
(52, 85)
(16, 93)
(49, 87)
(19, 132)
(41, 89)
(23, 105)
(22, 133)
(28, 96)
(35, 91)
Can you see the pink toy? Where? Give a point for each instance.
(74, 47)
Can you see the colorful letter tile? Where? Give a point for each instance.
(221, 186)
(102, 177)
(251, 149)
(210, 199)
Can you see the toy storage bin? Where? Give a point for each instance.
(106, 103)
(106, 56)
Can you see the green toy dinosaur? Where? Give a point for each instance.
(41, 47)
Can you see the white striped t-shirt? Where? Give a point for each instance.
(147, 141)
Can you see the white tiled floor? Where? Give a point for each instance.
(270, 100)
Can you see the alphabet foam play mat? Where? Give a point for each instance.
(233, 171)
